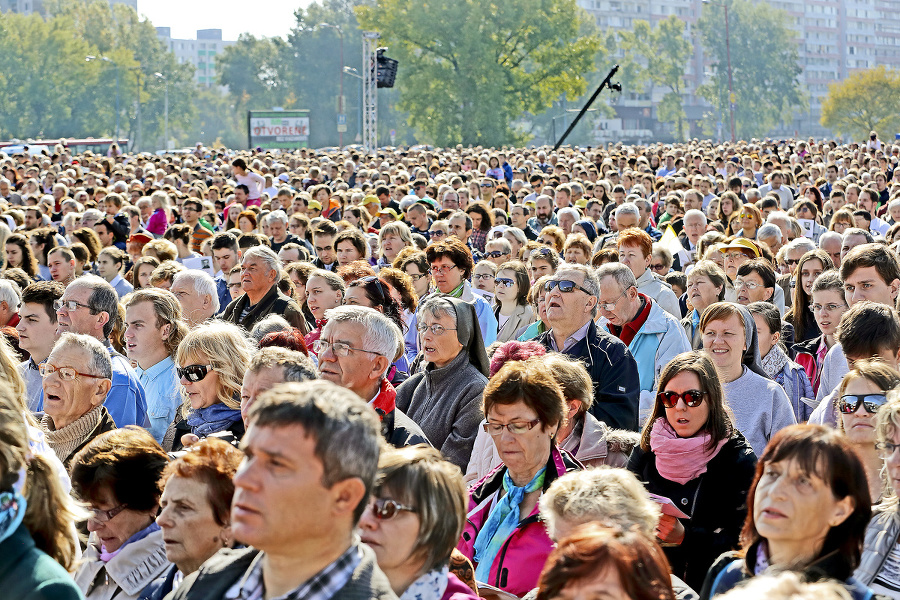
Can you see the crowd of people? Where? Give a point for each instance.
(645, 372)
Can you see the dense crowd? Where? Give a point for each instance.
(646, 372)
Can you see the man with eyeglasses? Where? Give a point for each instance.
(571, 302)
(191, 211)
(498, 251)
(90, 307)
(518, 217)
(653, 336)
(355, 352)
(76, 381)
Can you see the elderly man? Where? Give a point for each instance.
(269, 367)
(153, 330)
(10, 299)
(197, 294)
(498, 251)
(343, 361)
(653, 336)
(314, 447)
(770, 235)
(76, 380)
(571, 302)
(37, 333)
(278, 230)
(693, 226)
(831, 242)
(260, 272)
(627, 216)
(90, 306)
(636, 252)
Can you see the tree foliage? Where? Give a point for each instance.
(865, 101)
(469, 68)
(764, 63)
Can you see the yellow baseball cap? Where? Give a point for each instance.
(314, 204)
(371, 200)
(742, 244)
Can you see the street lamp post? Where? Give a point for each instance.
(341, 96)
(728, 56)
(166, 111)
(116, 67)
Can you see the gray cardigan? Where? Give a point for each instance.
(446, 404)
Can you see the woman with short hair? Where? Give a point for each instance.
(705, 285)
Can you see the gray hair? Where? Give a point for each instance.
(801, 243)
(438, 307)
(277, 215)
(628, 208)
(591, 282)
(103, 298)
(694, 213)
(295, 366)
(265, 254)
(516, 233)
(100, 362)
(769, 230)
(202, 283)
(779, 217)
(382, 336)
(857, 231)
(10, 293)
(268, 324)
(830, 235)
(504, 245)
(568, 211)
(346, 430)
(618, 271)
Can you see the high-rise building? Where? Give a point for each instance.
(201, 52)
(834, 38)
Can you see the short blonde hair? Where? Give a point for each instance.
(228, 351)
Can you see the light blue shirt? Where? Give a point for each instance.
(121, 286)
(163, 392)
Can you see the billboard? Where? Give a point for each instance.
(278, 129)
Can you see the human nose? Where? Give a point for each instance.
(368, 521)
(164, 518)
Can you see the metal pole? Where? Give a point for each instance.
(139, 135)
(603, 84)
(341, 97)
(730, 81)
(166, 118)
(117, 102)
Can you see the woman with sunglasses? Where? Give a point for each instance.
(861, 394)
(504, 536)
(746, 222)
(511, 287)
(693, 457)
(211, 360)
(413, 522)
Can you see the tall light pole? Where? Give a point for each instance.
(354, 73)
(166, 111)
(731, 97)
(341, 115)
(116, 67)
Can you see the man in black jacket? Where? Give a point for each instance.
(312, 455)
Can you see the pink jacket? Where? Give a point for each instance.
(520, 560)
(158, 222)
(457, 590)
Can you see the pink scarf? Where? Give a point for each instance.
(680, 459)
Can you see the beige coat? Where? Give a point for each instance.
(522, 317)
(126, 575)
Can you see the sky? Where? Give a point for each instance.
(185, 17)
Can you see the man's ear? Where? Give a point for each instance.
(100, 391)
(379, 366)
(346, 495)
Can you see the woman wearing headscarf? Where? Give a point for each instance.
(760, 406)
(587, 227)
(444, 394)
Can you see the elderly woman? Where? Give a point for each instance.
(511, 287)
(36, 545)
(392, 238)
(117, 476)
(705, 286)
(589, 440)
(414, 521)
(760, 406)
(212, 359)
(76, 378)
(807, 511)
(450, 373)
(504, 536)
(601, 562)
(195, 508)
(689, 440)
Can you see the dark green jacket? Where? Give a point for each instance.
(26, 573)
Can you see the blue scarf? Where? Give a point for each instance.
(502, 522)
(212, 419)
(12, 511)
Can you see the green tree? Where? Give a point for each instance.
(865, 101)
(469, 69)
(764, 63)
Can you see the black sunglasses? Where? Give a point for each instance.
(194, 373)
(565, 286)
(850, 403)
(692, 398)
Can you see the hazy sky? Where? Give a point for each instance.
(185, 17)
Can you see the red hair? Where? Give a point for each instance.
(636, 237)
(292, 339)
(515, 351)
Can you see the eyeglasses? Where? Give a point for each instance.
(495, 429)
(659, 267)
(65, 373)
(750, 285)
(487, 185)
(735, 255)
(340, 349)
(611, 306)
(829, 308)
(850, 403)
(692, 398)
(503, 282)
(442, 270)
(102, 516)
(438, 233)
(385, 509)
(482, 276)
(565, 286)
(435, 329)
(419, 276)
(496, 254)
(886, 449)
(70, 305)
(791, 261)
(194, 373)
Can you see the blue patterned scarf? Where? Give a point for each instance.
(212, 419)
(501, 522)
(12, 511)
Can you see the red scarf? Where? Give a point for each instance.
(385, 401)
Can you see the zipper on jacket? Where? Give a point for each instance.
(500, 570)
